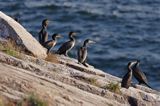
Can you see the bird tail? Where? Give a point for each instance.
(61, 53)
(151, 87)
(148, 85)
(57, 52)
(48, 51)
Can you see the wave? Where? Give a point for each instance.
(83, 8)
(122, 31)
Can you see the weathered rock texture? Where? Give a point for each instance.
(61, 84)
(10, 28)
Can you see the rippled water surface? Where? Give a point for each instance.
(123, 29)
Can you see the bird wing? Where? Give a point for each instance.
(144, 77)
(126, 81)
(66, 46)
(40, 36)
(140, 75)
(49, 44)
(45, 36)
(82, 54)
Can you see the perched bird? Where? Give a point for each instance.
(67, 46)
(139, 75)
(126, 80)
(82, 52)
(51, 43)
(17, 19)
(43, 35)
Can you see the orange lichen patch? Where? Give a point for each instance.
(52, 58)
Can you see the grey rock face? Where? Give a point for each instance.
(63, 82)
(67, 85)
(10, 28)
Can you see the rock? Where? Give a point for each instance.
(64, 81)
(64, 85)
(10, 28)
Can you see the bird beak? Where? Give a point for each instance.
(50, 21)
(47, 22)
(134, 62)
(59, 36)
(74, 34)
(92, 42)
(138, 61)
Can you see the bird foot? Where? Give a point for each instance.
(89, 65)
(66, 55)
(80, 63)
(86, 64)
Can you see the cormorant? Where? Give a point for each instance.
(43, 35)
(139, 75)
(67, 46)
(82, 52)
(51, 43)
(126, 80)
(17, 19)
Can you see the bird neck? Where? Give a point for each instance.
(54, 38)
(84, 44)
(72, 38)
(129, 69)
(44, 27)
(136, 65)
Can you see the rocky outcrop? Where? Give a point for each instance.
(60, 80)
(10, 28)
(62, 84)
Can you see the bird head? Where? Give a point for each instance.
(137, 62)
(130, 64)
(71, 34)
(45, 22)
(89, 41)
(56, 36)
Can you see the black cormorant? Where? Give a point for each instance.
(82, 52)
(67, 46)
(43, 35)
(17, 19)
(126, 80)
(139, 75)
(51, 43)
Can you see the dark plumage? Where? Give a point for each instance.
(51, 43)
(17, 19)
(43, 35)
(82, 52)
(67, 46)
(126, 80)
(139, 75)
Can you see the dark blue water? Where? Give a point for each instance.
(123, 29)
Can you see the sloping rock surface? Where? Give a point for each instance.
(61, 84)
(10, 28)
